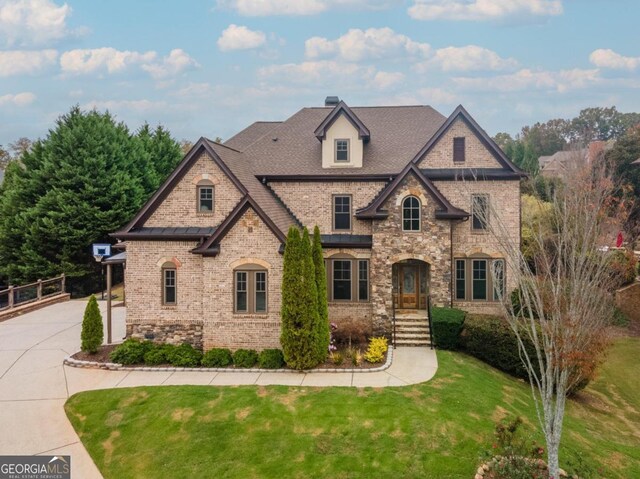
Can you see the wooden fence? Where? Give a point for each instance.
(17, 296)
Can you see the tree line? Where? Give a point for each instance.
(85, 179)
(542, 139)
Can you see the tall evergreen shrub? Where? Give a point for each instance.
(92, 333)
(299, 312)
(324, 335)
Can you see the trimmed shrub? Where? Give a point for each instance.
(217, 358)
(245, 358)
(375, 351)
(447, 326)
(271, 359)
(131, 351)
(352, 332)
(185, 356)
(623, 266)
(299, 311)
(490, 339)
(92, 333)
(158, 354)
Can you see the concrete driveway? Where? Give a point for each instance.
(34, 385)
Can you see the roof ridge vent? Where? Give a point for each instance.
(331, 101)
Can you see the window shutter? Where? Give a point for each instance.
(458, 149)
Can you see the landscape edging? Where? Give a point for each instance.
(78, 363)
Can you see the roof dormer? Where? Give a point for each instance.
(343, 136)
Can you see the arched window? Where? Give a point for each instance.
(205, 196)
(411, 214)
(250, 289)
(169, 284)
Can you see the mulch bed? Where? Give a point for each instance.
(102, 356)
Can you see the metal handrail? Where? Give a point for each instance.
(430, 322)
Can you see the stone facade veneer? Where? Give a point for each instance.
(165, 332)
(204, 311)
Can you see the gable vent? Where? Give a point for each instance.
(331, 101)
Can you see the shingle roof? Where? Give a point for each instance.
(397, 134)
(241, 167)
(253, 132)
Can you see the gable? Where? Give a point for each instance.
(179, 207)
(477, 155)
(342, 129)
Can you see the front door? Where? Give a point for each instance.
(408, 279)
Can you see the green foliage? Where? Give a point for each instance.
(447, 325)
(271, 359)
(323, 331)
(217, 358)
(376, 350)
(299, 312)
(336, 357)
(131, 351)
(490, 339)
(158, 354)
(185, 356)
(514, 454)
(620, 319)
(84, 180)
(245, 358)
(623, 265)
(92, 330)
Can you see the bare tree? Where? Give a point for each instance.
(564, 301)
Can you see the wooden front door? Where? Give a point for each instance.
(408, 278)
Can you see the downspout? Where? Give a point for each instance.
(451, 265)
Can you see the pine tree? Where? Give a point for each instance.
(92, 331)
(86, 179)
(323, 331)
(299, 312)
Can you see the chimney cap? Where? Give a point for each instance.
(331, 101)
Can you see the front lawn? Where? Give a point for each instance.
(434, 430)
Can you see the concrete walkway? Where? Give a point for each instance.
(34, 385)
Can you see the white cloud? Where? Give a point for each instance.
(606, 58)
(383, 80)
(32, 21)
(483, 9)
(356, 45)
(19, 62)
(175, 63)
(239, 37)
(467, 58)
(428, 96)
(316, 71)
(138, 106)
(257, 8)
(19, 99)
(100, 59)
(525, 79)
(110, 60)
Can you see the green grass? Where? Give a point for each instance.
(435, 430)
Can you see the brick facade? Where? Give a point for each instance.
(477, 155)
(179, 208)
(312, 202)
(204, 311)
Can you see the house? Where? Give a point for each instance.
(400, 194)
(560, 163)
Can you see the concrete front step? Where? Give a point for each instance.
(405, 342)
(412, 327)
(412, 319)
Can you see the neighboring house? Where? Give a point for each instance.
(398, 193)
(561, 162)
(1, 175)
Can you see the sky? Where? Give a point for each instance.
(211, 67)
